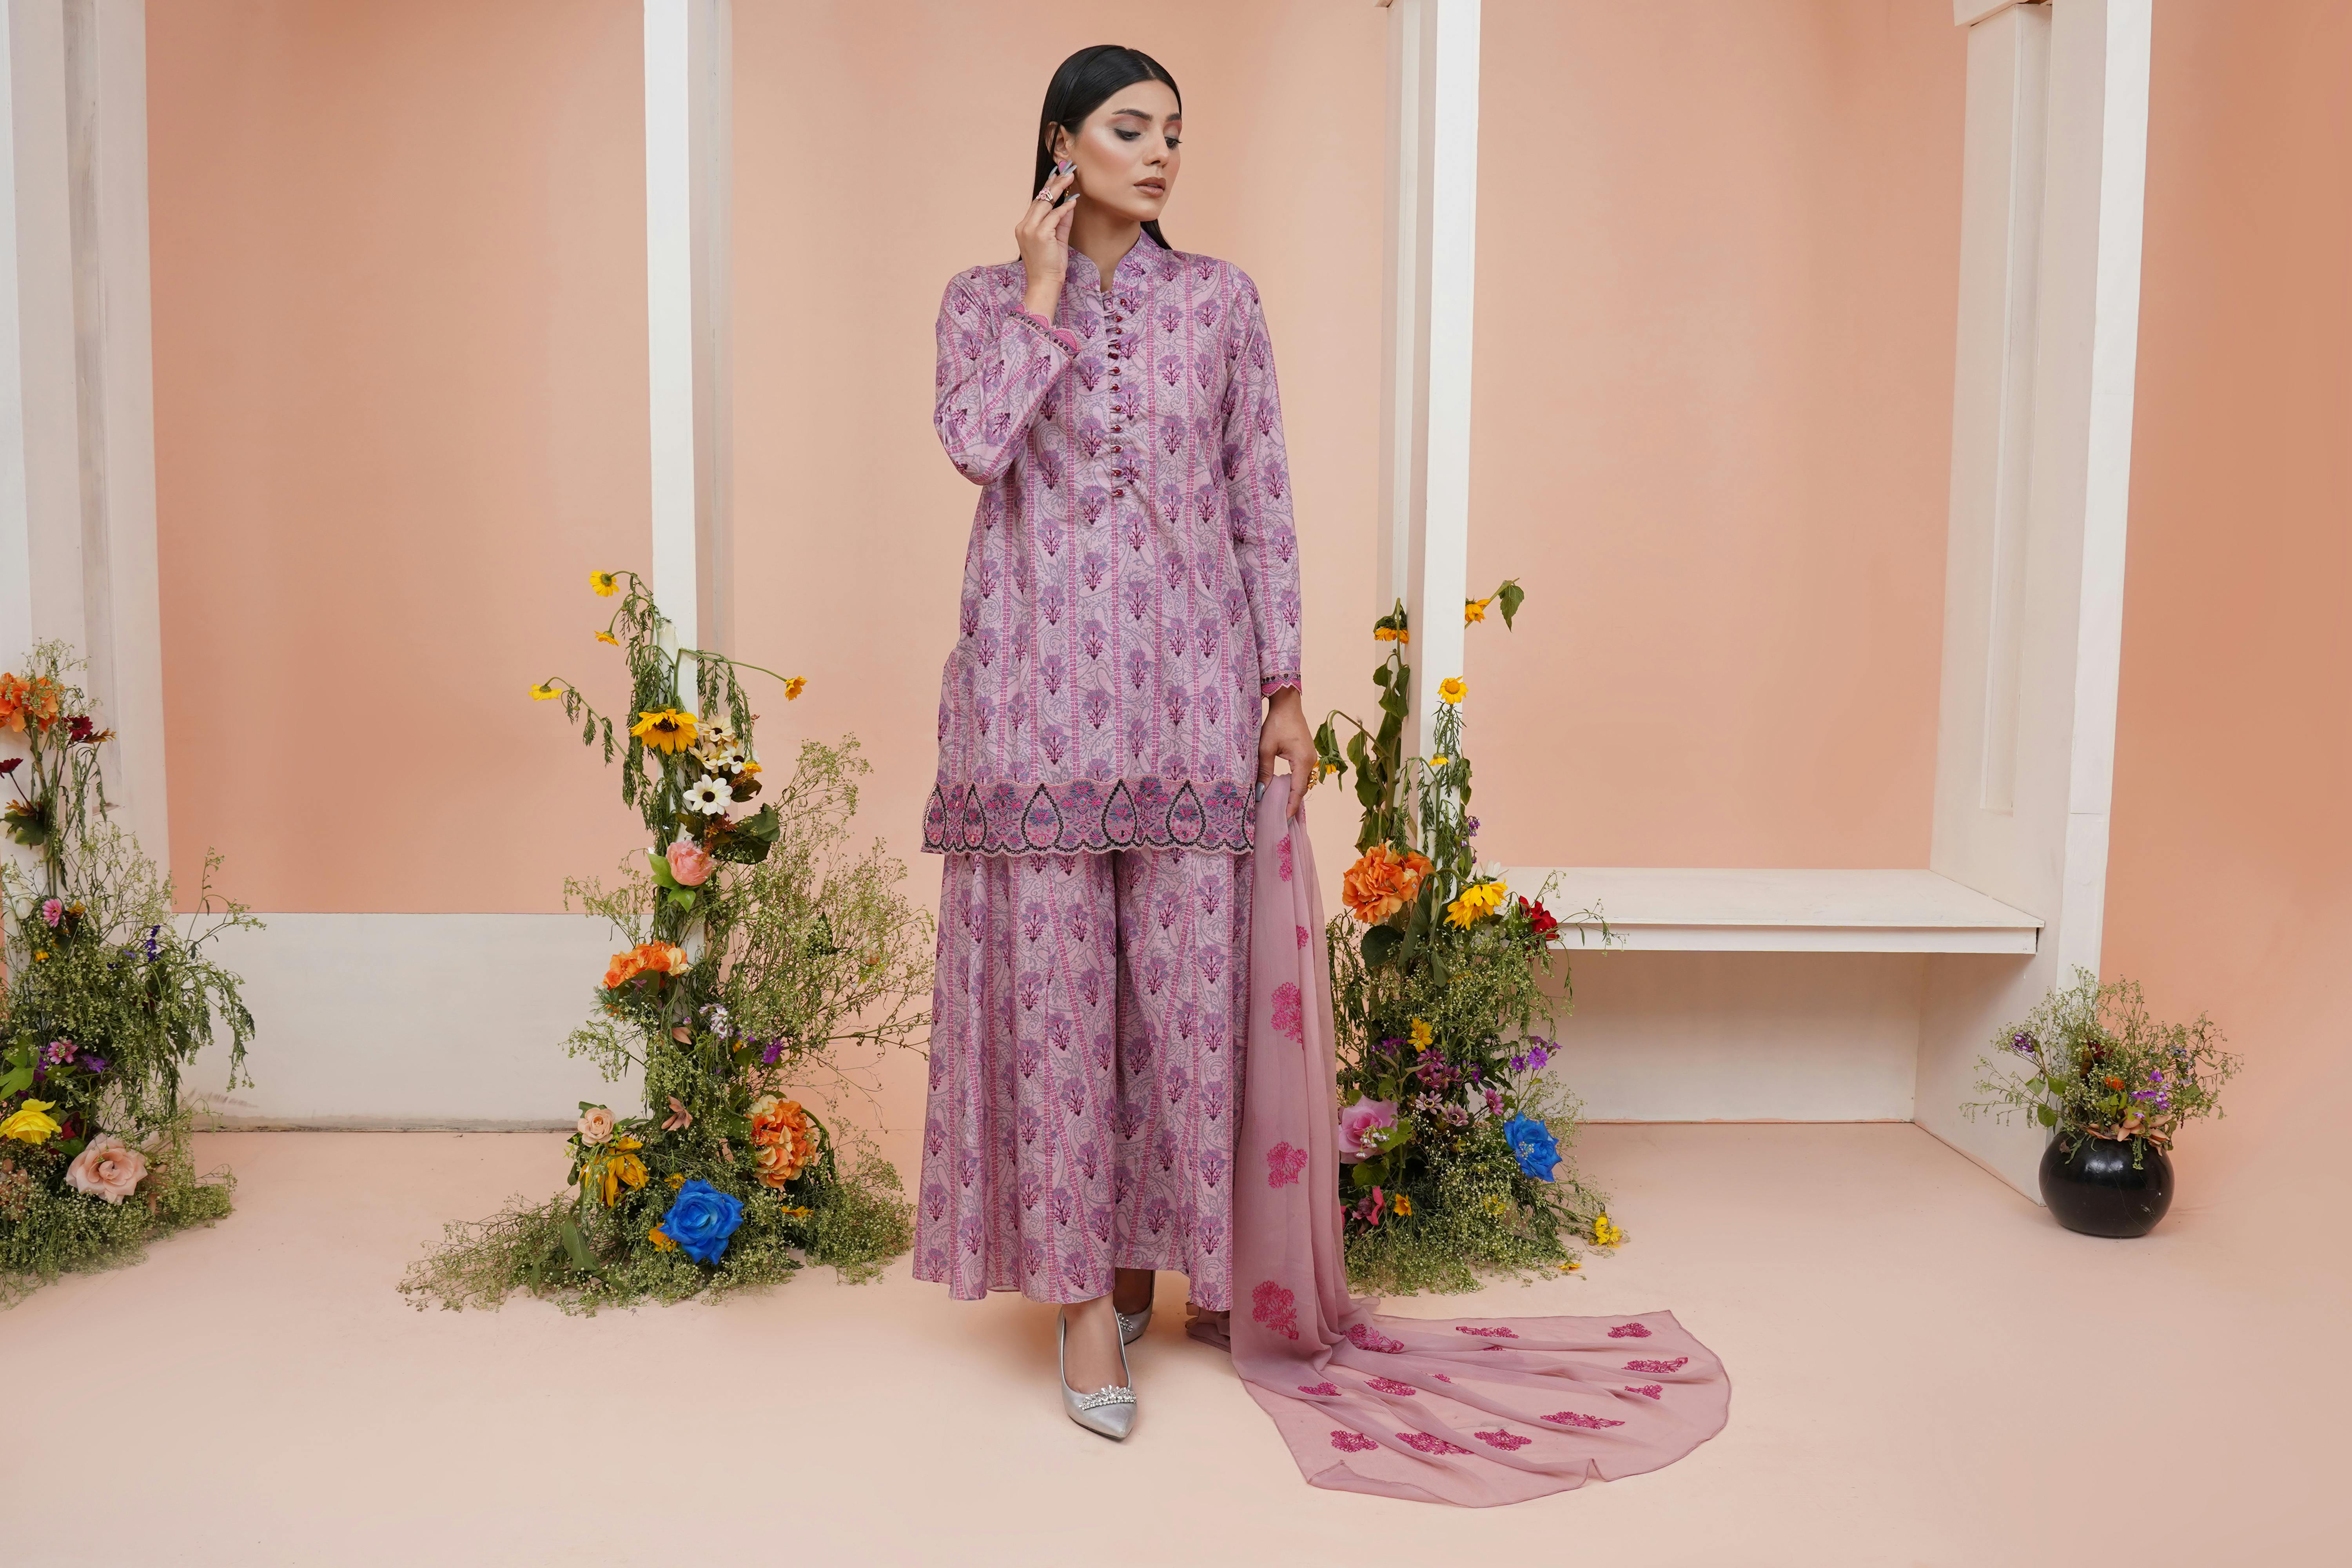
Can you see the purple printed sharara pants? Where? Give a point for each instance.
(1088, 1018)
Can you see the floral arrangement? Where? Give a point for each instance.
(762, 947)
(2097, 1065)
(105, 996)
(1454, 1139)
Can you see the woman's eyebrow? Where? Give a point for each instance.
(1139, 114)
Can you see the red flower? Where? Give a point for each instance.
(10, 767)
(1539, 919)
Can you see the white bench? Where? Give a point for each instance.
(1685, 909)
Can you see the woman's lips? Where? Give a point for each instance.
(1151, 187)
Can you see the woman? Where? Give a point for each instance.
(1128, 669)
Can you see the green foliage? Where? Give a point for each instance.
(107, 996)
(46, 1229)
(2102, 1067)
(1437, 994)
(773, 957)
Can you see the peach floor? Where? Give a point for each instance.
(1927, 1371)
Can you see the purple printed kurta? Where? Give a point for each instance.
(1131, 588)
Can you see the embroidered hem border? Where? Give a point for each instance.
(1086, 817)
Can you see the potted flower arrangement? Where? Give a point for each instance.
(1454, 1139)
(2114, 1086)
(105, 997)
(761, 946)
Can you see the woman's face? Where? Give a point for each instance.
(1126, 151)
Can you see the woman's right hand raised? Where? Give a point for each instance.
(1043, 235)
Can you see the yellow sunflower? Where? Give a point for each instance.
(541, 693)
(1475, 904)
(1452, 688)
(1475, 610)
(605, 584)
(794, 687)
(666, 730)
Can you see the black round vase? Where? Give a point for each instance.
(2091, 1186)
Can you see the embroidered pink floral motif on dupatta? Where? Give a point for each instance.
(1289, 1014)
(1277, 1308)
(1659, 1366)
(1306, 1347)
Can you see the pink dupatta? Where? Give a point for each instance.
(1475, 1411)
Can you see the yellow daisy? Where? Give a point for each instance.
(794, 687)
(1475, 610)
(1452, 688)
(605, 584)
(608, 639)
(541, 693)
(1423, 1036)
(1403, 1206)
(666, 730)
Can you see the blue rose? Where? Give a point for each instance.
(702, 1220)
(1532, 1144)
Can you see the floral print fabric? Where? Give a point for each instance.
(1131, 587)
(1473, 1411)
(1085, 1082)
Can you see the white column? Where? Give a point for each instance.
(1430, 234)
(77, 402)
(2052, 194)
(688, 175)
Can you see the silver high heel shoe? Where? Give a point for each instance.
(1109, 1411)
(1132, 1324)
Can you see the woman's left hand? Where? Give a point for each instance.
(1286, 735)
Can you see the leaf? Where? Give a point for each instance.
(1513, 596)
(16, 1081)
(576, 1247)
(1379, 944)
(2049, 1117)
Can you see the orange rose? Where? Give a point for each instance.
(1382, 882)
(783, 1140)
(624, 967)
(662, 957)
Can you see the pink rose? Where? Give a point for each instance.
(689, 862)
(1364, 1119)
(595, 1126)
(107, 1168)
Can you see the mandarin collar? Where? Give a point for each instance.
(1134, 268)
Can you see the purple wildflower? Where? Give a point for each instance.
(1469, 827)
(2024, 1044)
(155, 948)
(771, 1051)
(91, 1062)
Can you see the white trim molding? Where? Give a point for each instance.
(1432, 252)
(2052, 188)
(77, 381)
(688, 175)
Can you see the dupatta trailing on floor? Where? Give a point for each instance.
(1475, 1411)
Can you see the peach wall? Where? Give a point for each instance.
(880, 150)
(400, 410)
(2229, 883)
(1717, 267)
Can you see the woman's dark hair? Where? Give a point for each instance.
(1080, 86)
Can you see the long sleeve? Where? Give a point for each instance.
(1257, 481)
(996, 363)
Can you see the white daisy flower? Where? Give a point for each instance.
(709, 795)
